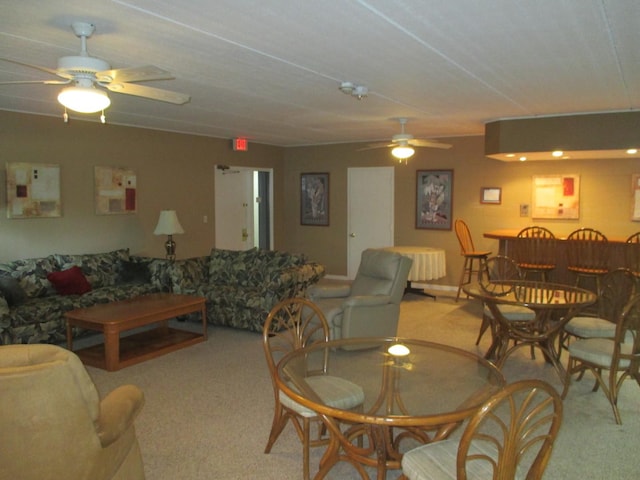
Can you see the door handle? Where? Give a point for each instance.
(352, 235)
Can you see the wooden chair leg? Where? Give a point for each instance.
(465, 267)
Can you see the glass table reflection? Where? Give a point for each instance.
(423, 391)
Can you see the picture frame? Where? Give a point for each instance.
(635, 197)
(556, 196)
(33, 190)
(314, 199)
(115, 191)
(491, 195)
(434, 199)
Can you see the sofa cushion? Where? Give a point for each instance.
(189, 274)
(133, 272)
(112, 293)
(101, 269)
(12, 291)
(32, 274)
(231, 266)
(70, 281)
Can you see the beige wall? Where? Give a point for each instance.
(605, 197)
(177, 171)
(173, 172)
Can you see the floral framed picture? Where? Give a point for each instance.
(434, 199)
(314, 199)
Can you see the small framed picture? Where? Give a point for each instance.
(434, 199)
(491, 195)
(314, 199)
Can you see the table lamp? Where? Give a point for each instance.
(168, 224)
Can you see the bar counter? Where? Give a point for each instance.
(617, 246)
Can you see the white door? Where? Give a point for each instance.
(370, 212)
(234, 208)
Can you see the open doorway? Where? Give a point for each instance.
(243, 208)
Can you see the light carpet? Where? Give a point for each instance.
(209, 407)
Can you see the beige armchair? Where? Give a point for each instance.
(54, 425)
(370, 305)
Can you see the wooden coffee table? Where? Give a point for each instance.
(116, 317)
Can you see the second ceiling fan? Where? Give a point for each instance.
(402, 144)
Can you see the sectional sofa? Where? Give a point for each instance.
(241, 287)
(35, 293)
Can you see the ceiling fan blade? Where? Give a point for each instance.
(376, 145)
(149, 92)
(43, 82)
(134, 74)
(37, 67)
(418, 142)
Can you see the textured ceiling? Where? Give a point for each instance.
(269, 70)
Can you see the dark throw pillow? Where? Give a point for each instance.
(134, 272)
(12, 291)
(69, 282)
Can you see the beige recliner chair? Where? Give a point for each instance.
(370, 305)
(53, 424)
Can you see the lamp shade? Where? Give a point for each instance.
(84, 99)
(168, 224)
(402, 152)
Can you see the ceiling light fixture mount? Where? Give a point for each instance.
(358, 91)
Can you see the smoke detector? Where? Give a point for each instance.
(358, 91)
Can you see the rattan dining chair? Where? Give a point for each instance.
(632, 253)
(617, 288)
(293, 324)
(498, 268)
(470, 254)
(535, 251)
(510, 437)
(587, 255)
(619, 355)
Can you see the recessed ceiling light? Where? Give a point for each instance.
(557, 153)
(632, 151)
(510, 155)
(522, 159)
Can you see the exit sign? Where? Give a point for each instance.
(240, 144)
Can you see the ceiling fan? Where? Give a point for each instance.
(403, 143)
(86, 74)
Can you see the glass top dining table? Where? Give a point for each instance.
(412, 388)
(553, 304)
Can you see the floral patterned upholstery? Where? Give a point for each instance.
(241, 287)
(40, 319)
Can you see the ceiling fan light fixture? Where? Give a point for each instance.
(84, 99)
(402, 152)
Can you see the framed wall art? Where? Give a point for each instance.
(115, 190)
(491, 195)
(556, 196)
(314, 199)
(434, 199)
(33, 190)
(635, 201)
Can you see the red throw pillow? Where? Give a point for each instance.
(69, 282)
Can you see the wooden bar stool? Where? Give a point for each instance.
(468, 251)
(535, 251)
(632, 254)
(587, 255)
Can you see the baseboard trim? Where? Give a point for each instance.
(429, 286)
